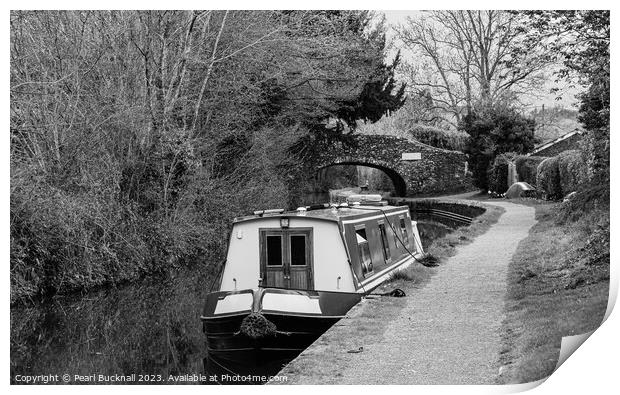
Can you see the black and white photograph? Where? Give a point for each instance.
(347, 196)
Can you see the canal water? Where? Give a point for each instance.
(150, 329)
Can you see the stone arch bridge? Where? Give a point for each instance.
(413, 167)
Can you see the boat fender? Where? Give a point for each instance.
(256, 326)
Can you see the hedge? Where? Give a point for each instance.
(527, 167)
(455, 140)
(573, 171)
(548, 178)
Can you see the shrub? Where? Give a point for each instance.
(548, 178)
(527, 167)
(573, 171)
(498, 173)
(455, 140)
(590, 199)
(65, 240)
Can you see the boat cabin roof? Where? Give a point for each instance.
(335, 213)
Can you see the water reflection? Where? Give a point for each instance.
(150, 328)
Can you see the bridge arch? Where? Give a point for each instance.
(400, 186)
(413, 167)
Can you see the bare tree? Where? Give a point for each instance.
(468, 57)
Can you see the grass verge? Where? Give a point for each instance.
(558, 285)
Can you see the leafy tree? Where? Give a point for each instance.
(337, 71)
(492, 131)
(378, 97)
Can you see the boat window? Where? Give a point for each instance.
(397, 243)
(298, 250)
(384, 242)
(274, 250)
(403, 231)
(364, 251)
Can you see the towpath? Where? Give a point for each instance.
(447, 332)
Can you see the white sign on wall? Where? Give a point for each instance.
(411, 156)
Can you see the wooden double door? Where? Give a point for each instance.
(286, 258)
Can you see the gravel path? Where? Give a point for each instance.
(448, 332)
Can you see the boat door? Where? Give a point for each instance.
(286, 258)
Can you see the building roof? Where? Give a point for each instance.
(551, 143)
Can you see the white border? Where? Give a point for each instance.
(593, 368)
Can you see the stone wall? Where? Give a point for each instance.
(438, 171)
(420, 209)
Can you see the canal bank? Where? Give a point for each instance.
(446, 331)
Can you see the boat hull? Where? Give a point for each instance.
(297, 319)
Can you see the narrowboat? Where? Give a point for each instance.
(289, 276)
